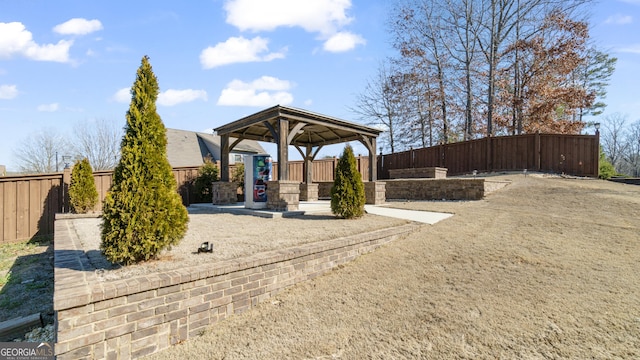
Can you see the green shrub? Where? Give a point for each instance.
(347, 192)
(606, 169)
(83, 195)
(142, 212)
(238, 176)
(207, 174)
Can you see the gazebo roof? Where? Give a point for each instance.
(305, 127)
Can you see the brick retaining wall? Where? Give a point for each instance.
(411, 173)
(441, 189)
(138, 316)
(431, 189)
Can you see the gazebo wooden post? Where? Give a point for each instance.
(224, 191)
(283, 149)
(308, 166)
(308, 190)
(373, 161)
(375, 191)
(224, 157)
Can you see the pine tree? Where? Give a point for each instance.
(347, 192)
(83, 195)
(142, 212)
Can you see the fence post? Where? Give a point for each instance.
(536, 152)
(596, 154)
(489, 163)
(66, 181)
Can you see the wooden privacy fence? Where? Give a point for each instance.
(570, 154)
(28, 204)
(323, 169)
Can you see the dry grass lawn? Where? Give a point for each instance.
(545, 268)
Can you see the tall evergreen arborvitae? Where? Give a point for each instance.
(347, 192)
(142, 212)
(83, 195)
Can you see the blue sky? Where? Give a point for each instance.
(66, 62)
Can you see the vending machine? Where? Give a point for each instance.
(257, 171)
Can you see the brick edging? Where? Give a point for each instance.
(145, 314)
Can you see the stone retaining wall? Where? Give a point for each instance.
(127, 319)
(426, 172)
(431, 189)
(441, 189)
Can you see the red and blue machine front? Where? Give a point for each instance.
(261, 167)
(257, 171)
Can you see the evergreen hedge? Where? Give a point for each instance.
(83, 195)
(142, 212)
(605, 169)
(347, 192)
(207, 174)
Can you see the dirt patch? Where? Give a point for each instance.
(544, 268)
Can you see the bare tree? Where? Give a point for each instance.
(99, 141)
(631, 154)
(418, 29)
(379, 104)
(42, 152)
(613, 138)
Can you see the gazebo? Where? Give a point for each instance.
(308, 132)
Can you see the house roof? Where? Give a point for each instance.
(189, 148)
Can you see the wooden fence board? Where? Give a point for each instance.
(22, 210)
(10, 211)
(538, 152)
(35, 206)
(2, 210)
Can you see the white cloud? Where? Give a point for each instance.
(170, 97)
(15, 39)
(261, 92)
(308, 102)
(633, 49)
(173, 97)
(8, 92)
(619, 19)
(53, 107)
(327, 18)
(122, 96)
(343, 41)
(238, 50)
(78, 26)
(322, 16)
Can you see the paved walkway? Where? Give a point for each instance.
(324, 206)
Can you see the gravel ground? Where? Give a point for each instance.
(544, 268)
(233, 236)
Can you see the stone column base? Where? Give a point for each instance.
(308, 192)
(224, 193)
(283, 195)
(375, 192)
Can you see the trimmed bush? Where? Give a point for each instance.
(207, 174)
(238, 176)
(605, 169)
(347, 192)
(142, 212)
(83, 195)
